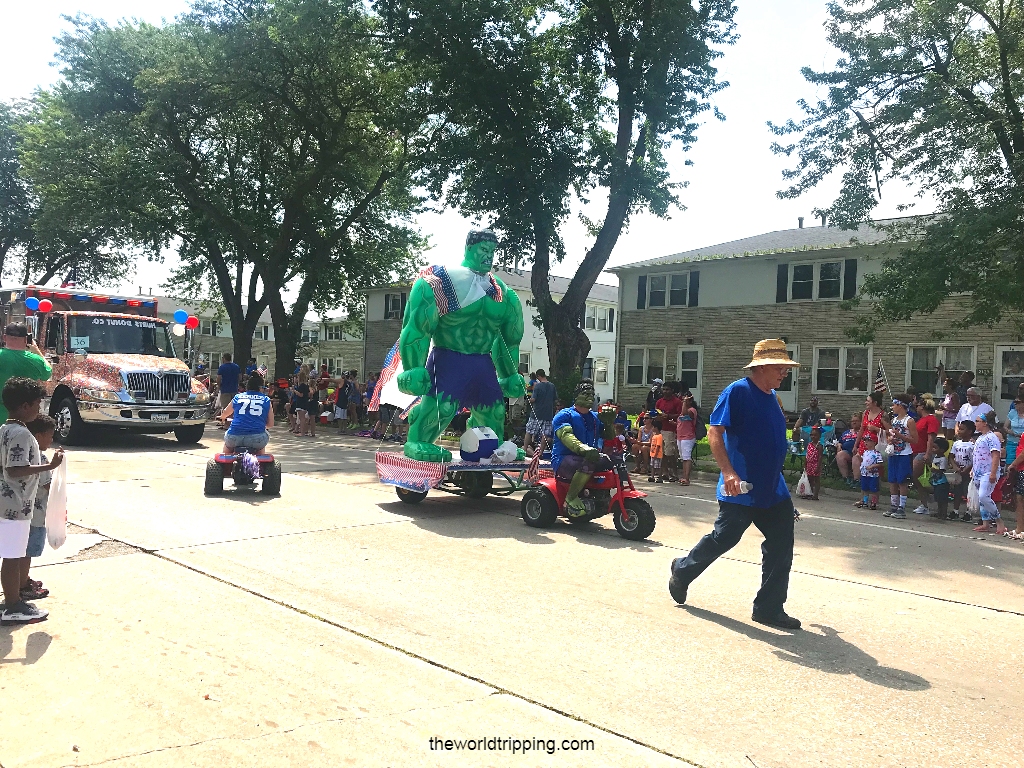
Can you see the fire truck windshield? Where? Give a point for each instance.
(106, 335)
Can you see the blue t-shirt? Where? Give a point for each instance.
(250, 369)
(250, 411)
(1015, 422)
(586, 427)
(229, 373)
(755, 439)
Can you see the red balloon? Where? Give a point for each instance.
(45, 305)
(192, 323)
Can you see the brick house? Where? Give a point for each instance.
(324, 341)
(385, 307)
(695, 317)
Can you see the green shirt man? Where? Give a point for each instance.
(19, 358)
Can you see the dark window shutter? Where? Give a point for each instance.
(405, 297)
(782, 284)
(641, 292)
(850, 279)
(611, 320)
(694, 288)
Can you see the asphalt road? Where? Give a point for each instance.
(335, 625)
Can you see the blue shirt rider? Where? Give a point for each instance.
(574, 454)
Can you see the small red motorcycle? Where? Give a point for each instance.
(609, 492)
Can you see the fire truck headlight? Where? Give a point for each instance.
(103, 395)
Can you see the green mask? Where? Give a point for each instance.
(480, 257)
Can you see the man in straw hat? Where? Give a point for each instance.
(747, 434)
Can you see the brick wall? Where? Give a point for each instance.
(381, 335)
(728, 335)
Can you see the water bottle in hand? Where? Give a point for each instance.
(746, 487)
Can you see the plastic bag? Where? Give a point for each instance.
(57, 506)
(803, 488)
(973, 493)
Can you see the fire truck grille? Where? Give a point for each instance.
(164, 388)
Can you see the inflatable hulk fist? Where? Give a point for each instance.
(512, 386)
(415, 381)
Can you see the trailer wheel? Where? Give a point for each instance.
(71, 430)
(410, 497)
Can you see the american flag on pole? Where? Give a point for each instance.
(391, 364)
(533, 471)
(881, 382)
(262, 371)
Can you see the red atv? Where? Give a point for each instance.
(608, 492)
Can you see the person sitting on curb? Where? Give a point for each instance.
(575, 456)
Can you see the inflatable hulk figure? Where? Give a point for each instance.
(476, 323)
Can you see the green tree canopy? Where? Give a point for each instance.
(273, 141)
(540, 102)
(928, 93)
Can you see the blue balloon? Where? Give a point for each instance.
(32, 303)
(180, 316)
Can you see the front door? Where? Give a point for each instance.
(691, 370)
(787, 390)
(1007, 375)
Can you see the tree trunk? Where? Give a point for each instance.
(568, 347)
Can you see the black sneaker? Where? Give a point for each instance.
(23, 613)
(899, 514)
(781, 619)
(677, 588)
(966, 517)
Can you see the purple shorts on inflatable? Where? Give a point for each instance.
(469, 380)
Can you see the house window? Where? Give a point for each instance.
(524, 359)
(842, 369)
(588, 368)
(334, 332)
(590, 322)
(261, 333)
(335, 365)
(677, 292)
(820, 280)
(921, 363)
(644, 364)
(667, 291)
(601, 371)
(394, 306)
(598, 318)
(207, 327)
(310, 336)
(656, 297)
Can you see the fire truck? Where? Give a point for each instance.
(114, 364)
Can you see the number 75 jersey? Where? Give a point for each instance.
(251, 410)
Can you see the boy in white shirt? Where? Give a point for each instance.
(21, 466)
(871, 464)
(42, 429)
(962, 455)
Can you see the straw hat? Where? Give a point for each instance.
(771, 352)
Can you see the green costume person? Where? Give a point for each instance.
(476, 323)
(574, 454)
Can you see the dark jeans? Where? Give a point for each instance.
(775, 523)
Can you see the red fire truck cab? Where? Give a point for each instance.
(114, 364)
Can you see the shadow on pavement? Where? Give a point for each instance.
(825, 651)
(35, 646)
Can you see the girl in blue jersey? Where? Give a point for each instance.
(251, 414)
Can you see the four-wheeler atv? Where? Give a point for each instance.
(609, 492)
(245, 469)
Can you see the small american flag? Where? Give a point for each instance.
(391, 364)
(881, 383)
(262, 371)
(533, 471)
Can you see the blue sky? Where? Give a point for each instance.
(732, 183)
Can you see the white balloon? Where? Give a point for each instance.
(178, 329)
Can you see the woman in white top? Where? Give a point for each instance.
(987, 449)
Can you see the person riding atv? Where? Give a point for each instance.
(574, 454)
(251, 415)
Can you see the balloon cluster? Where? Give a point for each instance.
(183, 320)
(38, 306)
